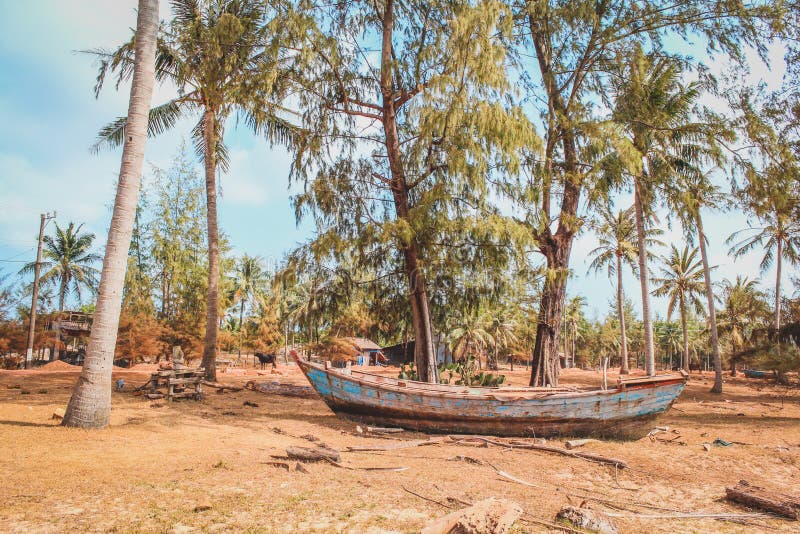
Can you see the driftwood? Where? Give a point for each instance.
(305, 454)
(382, 430)
(393, 446)
(575, 443)
(763, 499)
(548, 448)
(588, 519)
(276, 388)
(490, 516)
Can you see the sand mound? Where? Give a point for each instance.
(143, 367)
(58, 365)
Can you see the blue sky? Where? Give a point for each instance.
(50, 118)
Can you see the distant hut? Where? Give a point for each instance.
(367, 351)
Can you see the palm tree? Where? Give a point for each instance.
(744, 307)
(469, 334)
(68, 262)
(90, 403)
(694, 192)
(573, 316)
(248, 286)
(219, 55)
(654, 109)
(780, 240)
(68, 265)
(669, 339)
(682, 281)
(616, 233)
(501, 329)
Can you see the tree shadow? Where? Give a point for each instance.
(25, 423)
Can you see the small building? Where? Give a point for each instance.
(367, 351)
(404, 352)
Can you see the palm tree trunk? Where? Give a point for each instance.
(644, 280)
(778, 288)
(624, 369)
(212, 299)
(241, 318)
(62, 297)
(685, 332)
(90, 403)
(712, 311)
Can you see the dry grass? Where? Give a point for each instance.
(158, 462)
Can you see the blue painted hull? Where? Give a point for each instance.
(625, 412)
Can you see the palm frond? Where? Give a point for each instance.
(160, 119)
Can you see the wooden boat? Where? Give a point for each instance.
(754, 373)
(624, 412)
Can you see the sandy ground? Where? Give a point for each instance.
(204, 466)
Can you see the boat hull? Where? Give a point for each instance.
(624, 413)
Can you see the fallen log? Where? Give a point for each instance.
(306, 454)
(763, 499)
(575, 443)
(588, 519)
(492, 515)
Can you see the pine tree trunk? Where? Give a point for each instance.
(90, 404)
(212, 299)
(712, 310)
(685, 335)
(778, 287)
(424, 353)
(544, 367)
(644, 280)
(624, 369)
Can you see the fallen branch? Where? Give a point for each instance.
(547, 448)
(699, 515)
(392, 446)
(349, 468)
(221, 387)
(575, 443)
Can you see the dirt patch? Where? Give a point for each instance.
(209, 465)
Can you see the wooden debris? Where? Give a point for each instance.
(58, 413)
(588, 519)
(222, 388)
(349, 468)
(393, 446)
(305, 454)
(250, 404)
(282, 465)
(299, 468)
(763, 499)
(575, 443)
(202, 508)
(490, 516)
(382, 430)
(467, 459)
(516, 444)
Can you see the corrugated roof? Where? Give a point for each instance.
(363, 343)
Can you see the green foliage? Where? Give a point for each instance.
(466, 373)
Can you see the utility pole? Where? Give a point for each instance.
(34, 300)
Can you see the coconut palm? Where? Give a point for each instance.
(573, 317)
(779, 238)
(220, 56)
(654, 109)
(469, 334)
(68, 263)
(617, 247)
(90, 403)
(248, 286)
(682, 281)
(694, 192)
(501, 327)
(744, 307)
(669, 339)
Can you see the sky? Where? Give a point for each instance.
(50, 118)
